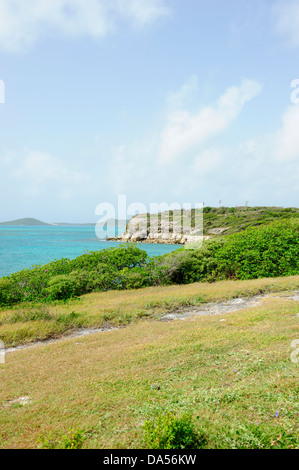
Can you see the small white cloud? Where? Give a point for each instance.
(286, 19)
(23, 22)
(143, 12)
(185, 131)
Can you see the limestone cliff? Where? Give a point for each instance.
(174, 227)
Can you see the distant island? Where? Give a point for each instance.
(26, 221)
(35, 222)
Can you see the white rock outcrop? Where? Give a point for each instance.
(174, 228)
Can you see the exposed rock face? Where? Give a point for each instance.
(174, 228)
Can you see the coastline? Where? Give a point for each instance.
(149, 241)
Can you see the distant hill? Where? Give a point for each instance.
(30, 221)
(26, 221)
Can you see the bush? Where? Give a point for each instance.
(171, 431)
(134, 278)
(187, 266)
(269, 251)
(7, 294)
(265, 251)
(116, 258)
(61, 287)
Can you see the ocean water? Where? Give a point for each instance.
(23, 247)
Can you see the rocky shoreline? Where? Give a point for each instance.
(159, 241)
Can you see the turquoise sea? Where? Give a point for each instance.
(24, 246)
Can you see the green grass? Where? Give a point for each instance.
(30, 322)
(234, 377)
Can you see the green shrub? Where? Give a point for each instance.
(265, 251)
(30, 284)
(170, 431)
(116, 258)
(7, 292)
(103, 279)
(61, 287)
(269, 251)
(73, 440)
(187, 266)
(134, 278)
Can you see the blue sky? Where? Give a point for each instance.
(162, 101)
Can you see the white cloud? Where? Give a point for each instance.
(286, 19)
(133, 166)
(23, 22)
(35, 173)
(287, 141)
(185, 131)
(142, 12)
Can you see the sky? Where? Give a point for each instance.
(160, 101)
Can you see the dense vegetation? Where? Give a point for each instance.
(235, 219)
(267, 251)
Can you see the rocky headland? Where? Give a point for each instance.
(174, 227)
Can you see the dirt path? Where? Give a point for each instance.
(217, 308)
(75, 334)
(213, 308)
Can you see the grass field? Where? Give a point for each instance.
(30, 322)
(234, 376)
